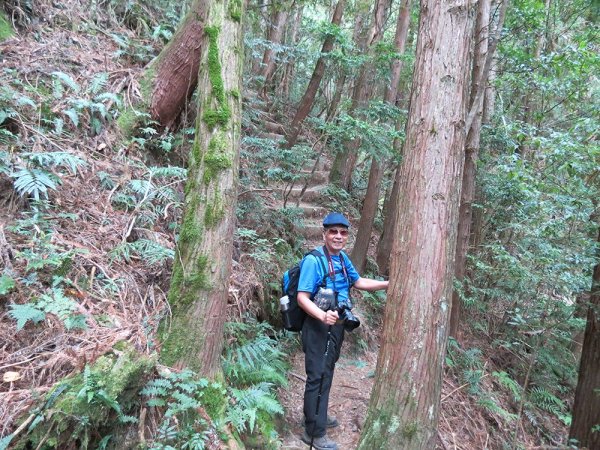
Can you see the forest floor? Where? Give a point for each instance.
(95, 227)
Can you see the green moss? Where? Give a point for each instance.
(214, 212)
(83, 408)
(190, 229)
(235, 94)
(409, 430)
(176, 339)
(127, 122)
(214, 117)
(214, 399)
(196, 154)
(214, 65)
(216, 158)
(221, 114)
(235, 10)
(6, 30)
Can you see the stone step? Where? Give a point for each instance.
(273, 136)
(313, 211)
(310, 232)
(273, 127)
(311, 195)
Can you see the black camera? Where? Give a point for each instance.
(349, 320)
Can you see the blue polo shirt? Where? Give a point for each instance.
(312, 273)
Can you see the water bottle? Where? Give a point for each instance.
(284, 307)
(325, 299)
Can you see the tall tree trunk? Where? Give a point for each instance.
(367, 216)
(371, 201)
(481, 36)
(199, 286)
(172, 77)
(404, 407)
(586, 408)
(308, 98)
(275, 37)
(288, 76)
(482, 54)
(345, 161)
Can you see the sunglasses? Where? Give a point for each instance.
(334, 232)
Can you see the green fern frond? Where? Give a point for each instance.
(98, 82)
(168, 172)
(26, 312)
(34, 182)
(544, 399)
(56, 159)
(66, 80)
(493, 407)
(149, 251)
(73, 115)
(507, 382)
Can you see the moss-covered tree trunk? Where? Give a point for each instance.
(193, 337)
(404, 407)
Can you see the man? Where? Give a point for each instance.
(323, 332)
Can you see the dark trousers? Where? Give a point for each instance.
(314, 343)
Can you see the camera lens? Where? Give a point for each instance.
(350, 321)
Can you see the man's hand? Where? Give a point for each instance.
(330, 317)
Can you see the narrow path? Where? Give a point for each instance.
(348, 400)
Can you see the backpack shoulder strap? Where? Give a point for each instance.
(320, 257)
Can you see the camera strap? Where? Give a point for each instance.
(332, 268)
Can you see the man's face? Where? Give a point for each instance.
(335, 239)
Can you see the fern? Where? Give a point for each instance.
(493, 407)
(259, 359)
(23, 313)
(507, 382)
(73, 115)
(34, 182)
(168, 172)
(544, 399)
(66, 80)
(98, 82)
(56, 159)
(6, 284)
(147, 250)
(249, 403)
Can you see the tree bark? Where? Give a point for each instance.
(465, 214)
(345, 161)
(278, 20)
(586, 407)
(404, 407)
(308, 98)
(371, 201)
(172, 77)
(199, 286)
(289, 68)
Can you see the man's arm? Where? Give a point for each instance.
(368, 284)
(329, 317)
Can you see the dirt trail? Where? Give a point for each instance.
(348, 400)
(353, 377)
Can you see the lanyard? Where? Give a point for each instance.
(332, 269)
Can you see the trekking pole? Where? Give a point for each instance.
(312, 434)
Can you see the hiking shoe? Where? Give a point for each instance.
(332, 422)
(319, 443)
